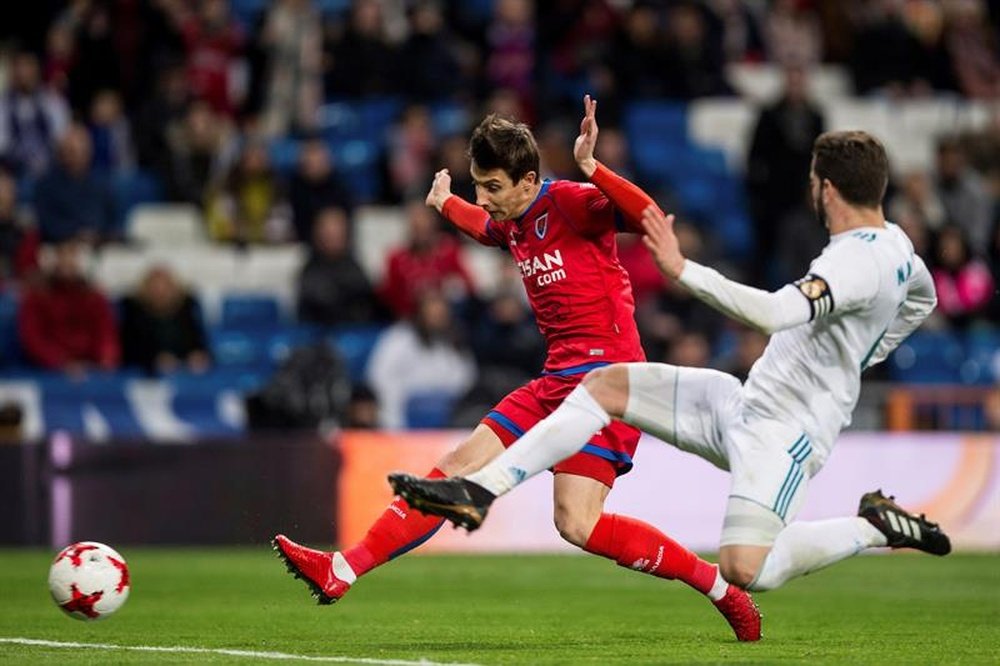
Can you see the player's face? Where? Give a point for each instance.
(501, 197)
(816, 195)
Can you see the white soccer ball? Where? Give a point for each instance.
(89, 580)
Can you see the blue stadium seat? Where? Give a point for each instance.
(656, 121)
(284, 154)
(280, 343)
(982, 358)
(132, 188)
(429, 410)
(250, 311)
(927, 357)
(355, 344)
(235, 348)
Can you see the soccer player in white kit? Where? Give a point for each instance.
(861, 297)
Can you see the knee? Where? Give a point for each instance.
(609, 387)
(739, 572)
(574, 525)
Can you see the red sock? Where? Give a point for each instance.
(398, 530)
(640, 546)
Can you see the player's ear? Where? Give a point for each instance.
(529, 179)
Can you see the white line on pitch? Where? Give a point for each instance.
(253, 654)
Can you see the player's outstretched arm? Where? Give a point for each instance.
(624, 194)
(763, 310)
(471, 219)
(921, 298)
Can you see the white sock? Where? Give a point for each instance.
(556, 437)
(719, 587)
(342, 570)
(804, 547)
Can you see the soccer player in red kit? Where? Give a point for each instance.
(562, 236)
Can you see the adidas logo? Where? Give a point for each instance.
(904, 525)
(518, 473)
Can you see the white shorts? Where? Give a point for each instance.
(701, 411)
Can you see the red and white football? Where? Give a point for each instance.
(89, 580)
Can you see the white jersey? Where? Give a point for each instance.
(865, 292)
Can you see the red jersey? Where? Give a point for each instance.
(564, 244)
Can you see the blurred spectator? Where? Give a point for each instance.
(419, 355)
(693, 59)
(638, 59)
(292, 38)
(750, 345)
(963, 193)
(453, 155)
(506, 337)
(800, 237)
(197, 153)
(689, 350)
(110, 134)
(647, 281)
(792, 34)
(674, 311)
(161, 328)
(972, 44)
(32, 118)
(430, 260)
(164, 109)
(250, 206)
(740, 34)
(886, 55)
(333, 288)
(433, 68)
(64, 323)
(60, 57)
(778, 162)
(72, 200)
(18, 241)
(315, 186)
(213, 42)
(360, 62)
(410, 150)
(510, 46)
(914, 227)
(555, 147)
(917, 198)
(933, 67)
(97, 64)
(362, 409)
(962, 280)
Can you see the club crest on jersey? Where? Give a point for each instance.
(541, 225)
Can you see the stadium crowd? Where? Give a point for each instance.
(232, 107)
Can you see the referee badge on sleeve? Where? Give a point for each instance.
(817, 292)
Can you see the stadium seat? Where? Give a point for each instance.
(927, 357)
(982, 358)
(355, 344)
(429, 410)
(243, 349)
(250, 311)
(166, 225)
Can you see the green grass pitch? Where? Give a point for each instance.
(900, 608)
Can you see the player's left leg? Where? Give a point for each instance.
(761, 548)
(636, 545)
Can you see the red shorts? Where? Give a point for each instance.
(606, 456)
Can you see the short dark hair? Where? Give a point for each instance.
(500, 143)
(856, 163)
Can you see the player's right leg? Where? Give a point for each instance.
(397, 531)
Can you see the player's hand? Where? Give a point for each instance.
(661, 241)
(440, 190)
(583, 149)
